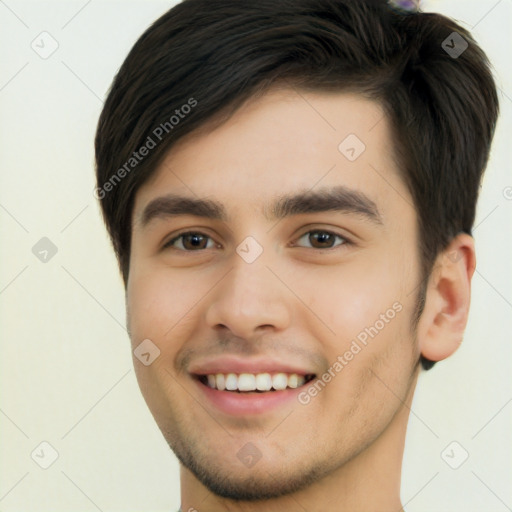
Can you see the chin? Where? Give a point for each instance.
(236, 482)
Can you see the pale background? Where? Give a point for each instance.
(66, 370)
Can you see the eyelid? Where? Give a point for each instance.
(346, 240)
(177, 236)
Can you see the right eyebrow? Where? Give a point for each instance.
(173, 205)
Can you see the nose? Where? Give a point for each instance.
(248, 299)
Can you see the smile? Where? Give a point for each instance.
(254, 382)
(250, 394)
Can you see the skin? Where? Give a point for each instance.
(299, 302)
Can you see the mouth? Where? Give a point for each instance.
(242, 395)
(254, 383)
(242, 387)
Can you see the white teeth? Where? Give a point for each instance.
(211, 381)
(293, 381)
(220, 382)
(279, 381)
(246, 382)
(252, 382)
(231, 382)
(301, 380)
(263, 382)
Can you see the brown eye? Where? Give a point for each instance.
(321, 239)
(190, 242)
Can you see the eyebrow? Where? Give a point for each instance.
(338, 198)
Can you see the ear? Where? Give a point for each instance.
(444, 318)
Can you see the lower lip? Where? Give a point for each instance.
(242, 404)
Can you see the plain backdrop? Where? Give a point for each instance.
(66, 375)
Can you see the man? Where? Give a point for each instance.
(290, 188)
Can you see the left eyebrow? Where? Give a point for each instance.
(338, 198)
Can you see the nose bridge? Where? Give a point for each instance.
(249, 295)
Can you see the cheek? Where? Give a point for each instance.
(369, 310)
(350, 298)
(158, 307)
(157, 300)
(371, 358)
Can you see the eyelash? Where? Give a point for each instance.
(346, 241)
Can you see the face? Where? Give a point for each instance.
(301, 264)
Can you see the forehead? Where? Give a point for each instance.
(282, 142)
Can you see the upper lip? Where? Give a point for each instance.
(233, 364)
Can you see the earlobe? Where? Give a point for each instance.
(444, 318)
